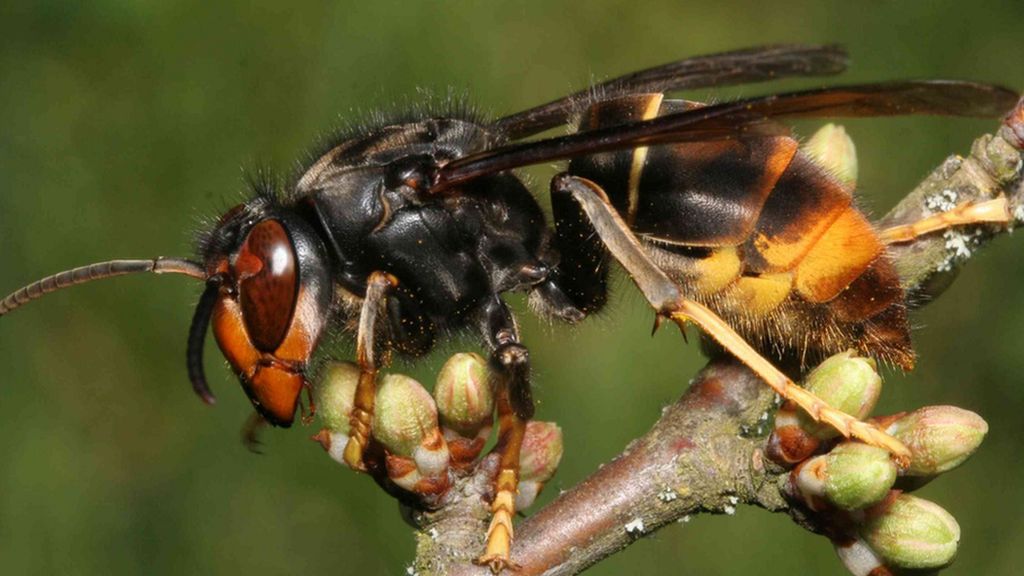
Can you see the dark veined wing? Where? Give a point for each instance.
(748, 117)
(759, 64)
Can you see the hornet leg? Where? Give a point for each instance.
(669, 302)
(995, 211)
(511, 363)
(377, 288)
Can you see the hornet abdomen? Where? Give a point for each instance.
(752, 227)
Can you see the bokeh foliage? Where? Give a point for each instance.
(123, 123)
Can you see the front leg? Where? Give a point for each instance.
(669, 302)
(511, 363)
(378, 286)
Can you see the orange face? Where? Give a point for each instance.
(266, 323)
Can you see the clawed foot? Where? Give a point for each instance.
(354, 455)
(497, 563)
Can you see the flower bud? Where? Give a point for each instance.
(857, 475)
(464, 397)
(405, 422)
(335, 395)
(789, 444)
(432, 455)
(833, 149)
(333, 443)
(541, 451)
(404, 416)
(851, 477)
(846, 382)
(426, 473)
(912, 533)
(538, 460)
(940, 438)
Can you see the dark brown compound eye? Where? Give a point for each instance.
(268, 283)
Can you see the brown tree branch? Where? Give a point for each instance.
(705, 452)
(695, 459)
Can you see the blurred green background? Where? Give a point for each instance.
(123, 123)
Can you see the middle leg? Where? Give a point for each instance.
(511, 363)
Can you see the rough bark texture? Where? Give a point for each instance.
(705, 453)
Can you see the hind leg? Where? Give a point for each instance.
(994, 211)
(669, 303)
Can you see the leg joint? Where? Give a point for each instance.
(511, 356)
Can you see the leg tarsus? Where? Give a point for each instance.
(360, 428)
(500, 532)
(993, 211)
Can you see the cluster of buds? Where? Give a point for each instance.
(845, 382)
(425, 441)
(855, 491)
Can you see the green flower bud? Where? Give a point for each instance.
(846, 382)
(541, 452)
(335, 395)
(913, 533)
(464, 397)
(857, 475)
(940, 438)
(404, 414)
(851, 477)
(833, 149)
(538, 460)
(405, 422)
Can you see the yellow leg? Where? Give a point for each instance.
(360, 422)
(511, 429)
(995, 211)
(500, 532)
(848, 426)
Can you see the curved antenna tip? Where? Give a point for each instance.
(196, 339)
